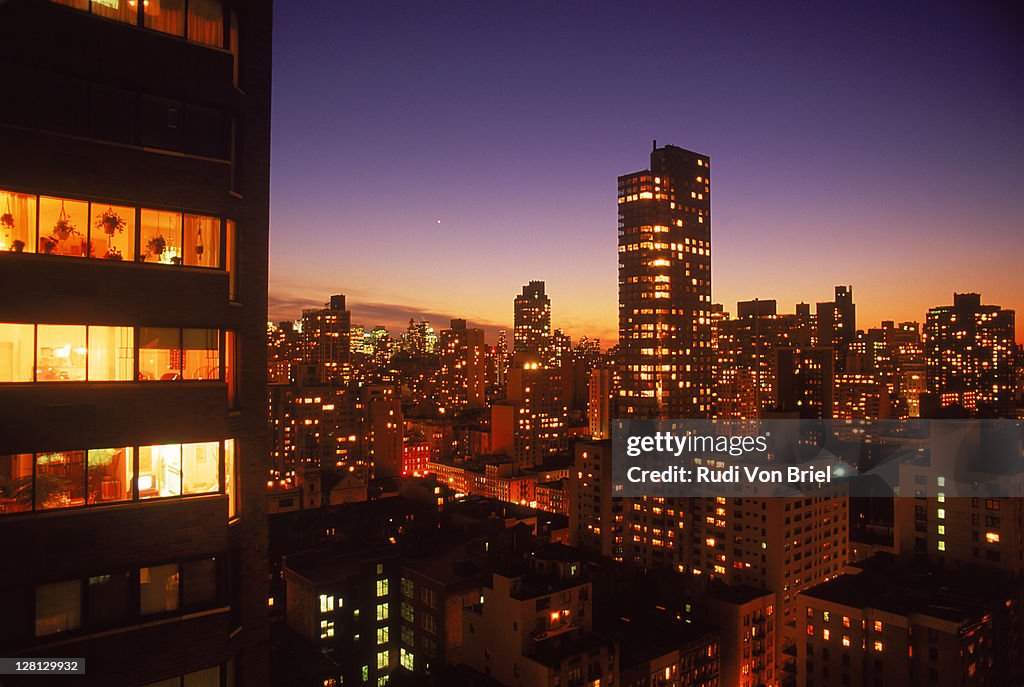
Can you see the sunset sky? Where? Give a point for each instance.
(430, 158)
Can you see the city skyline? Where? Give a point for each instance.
(879, 153)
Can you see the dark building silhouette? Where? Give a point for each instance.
(134, 201)
(666, 360)
(837, 325)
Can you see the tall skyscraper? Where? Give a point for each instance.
(461, 380)
(837, 325)
(532, 320)
(134, 184)
(969, 349)
(666, 359)
(326, 341)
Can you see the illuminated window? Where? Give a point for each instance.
(846, 621)
(825, 634)
(846, 640)
(231, 366)
(230, 479)
(159, 353)
(60, 480)
(112, 233)
(158, 588)
(159, 471)
(878, 626)
(992, 537)
(405, 658)
(382, 611)
(120, 10)
(17, 222)
(878, 645)
(206, 22)
(200, 465)
(111, 354)
(110, 475)
(326, 603)
(942, 545)
(941, 513)
(382, 588)
(58, 607)
(17, 349)
(231, 260)
(201, 354)
(202, 241)
(166, 16)
(63, 226)
(60, 353)
(160, 237)
(382, 635)
(382, 660)
(326, 629)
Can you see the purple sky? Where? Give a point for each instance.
(433, 157)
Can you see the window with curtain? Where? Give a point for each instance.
(230, 259)
(201, 354)
(206, 22)
(166, 16)
(17, 222)
(202, 241)
(111, 354)
(200, 467)
(120, 10)
(17, 352)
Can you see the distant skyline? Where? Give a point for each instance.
(430, 159)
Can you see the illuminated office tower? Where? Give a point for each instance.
(969, 348)
(666, 358)
(837, 325)
(134, 212)
(462, 376)
(326, 341)
(532, 319)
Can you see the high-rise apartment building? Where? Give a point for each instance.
(532, 319)
(462, 375)
(666, 358)
(326, 341)
(134, 204)
(970, 348)
(837, 325)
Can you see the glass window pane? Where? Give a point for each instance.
(167, 16)
(77, 4)
(108, 598)
(60, 479)
(231, 366)
(111, 354)
(202, 241)
(200, 580)
(230, 262)
(63, 226)
(58, 607)
(159, 353)
(230, 477)
(15, 483)
(121, 10)
(17, 222)
(17, 349)
(202, 354)
(110, 475)
(160, 237)
(113, 231)
(60, 353)
(159, 471)
(158, 588)
(206, 22)
(200, 465)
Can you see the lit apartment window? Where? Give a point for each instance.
(326, 603)
(158, 588)
(17, 222)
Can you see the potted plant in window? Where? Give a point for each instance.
(17, 246)
(47, 243)
(113, 253)
(110, 222)
(157, 245)
(64, 228)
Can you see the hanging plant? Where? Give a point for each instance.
(110, 222)
(157, 245)
(199, 240)
(113, 253)
(64, 227)
(7, 219)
